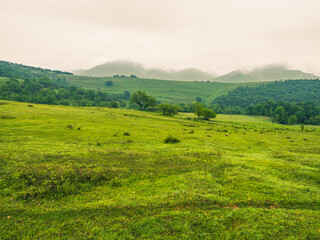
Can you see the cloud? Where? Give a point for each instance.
(216, 36)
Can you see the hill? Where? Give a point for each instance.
(127, 68)
(20, 71)
(264, 74)
(80, 173)
(163, 90)
(288, 91)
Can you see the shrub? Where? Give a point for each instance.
(169, 109)
(109, 83)
(171, 139)
(6, 117)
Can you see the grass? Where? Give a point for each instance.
(98, 173)
(163, 90)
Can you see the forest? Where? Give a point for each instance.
(57, 92)
(287, 102)
(19, 71)
(288, 91)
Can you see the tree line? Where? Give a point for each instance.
(286, 102)
(288, 91)
(58, 92)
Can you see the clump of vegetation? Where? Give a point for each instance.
(6, 117)
(109, 83)
(171, 139)
(143, 100)
(126, 134)
(203, 112)
(169, 109)
(48, 91)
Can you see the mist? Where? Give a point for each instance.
(213, 36)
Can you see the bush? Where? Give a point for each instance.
(6, 117)
(203, 112)
(171, 139)
(168, 109)
(109, 83)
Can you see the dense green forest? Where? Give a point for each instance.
(37, 85)
(287, 91)
(287, 102)
(14, 70)
(287, 113)
(57, 92)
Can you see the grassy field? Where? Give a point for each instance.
(163, 90)
(98, 173)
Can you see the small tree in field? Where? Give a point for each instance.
(168, 109)
(203, 112)
(208, 113)
(143, 100)
(198, 108)
(109, 83)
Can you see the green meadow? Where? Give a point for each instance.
(99, 173)
(163, 90)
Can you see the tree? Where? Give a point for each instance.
(208, 113)
(168, 109)
(198, 108)
(317, 120)
(199, 99)
(126, 95)
(142, 100)
(292, 119)
(201, 111)
(109, 83)
(280, 115)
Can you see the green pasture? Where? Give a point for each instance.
(99, 173)
(163, 90)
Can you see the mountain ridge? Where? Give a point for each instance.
(127, 68)
(264, 74)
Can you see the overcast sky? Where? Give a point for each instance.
(213, 35)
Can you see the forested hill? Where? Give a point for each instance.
(288, 91)
(19, 71)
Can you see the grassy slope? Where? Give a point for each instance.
(258, 180)
(163, 90)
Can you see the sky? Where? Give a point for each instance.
(217, 36)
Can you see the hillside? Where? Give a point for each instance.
(287, 91)
(98, 173)
(127, 68)
(20, 71)
(163, 90)
(264, 74)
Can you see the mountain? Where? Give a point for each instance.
(128, 68)
(264, 74)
